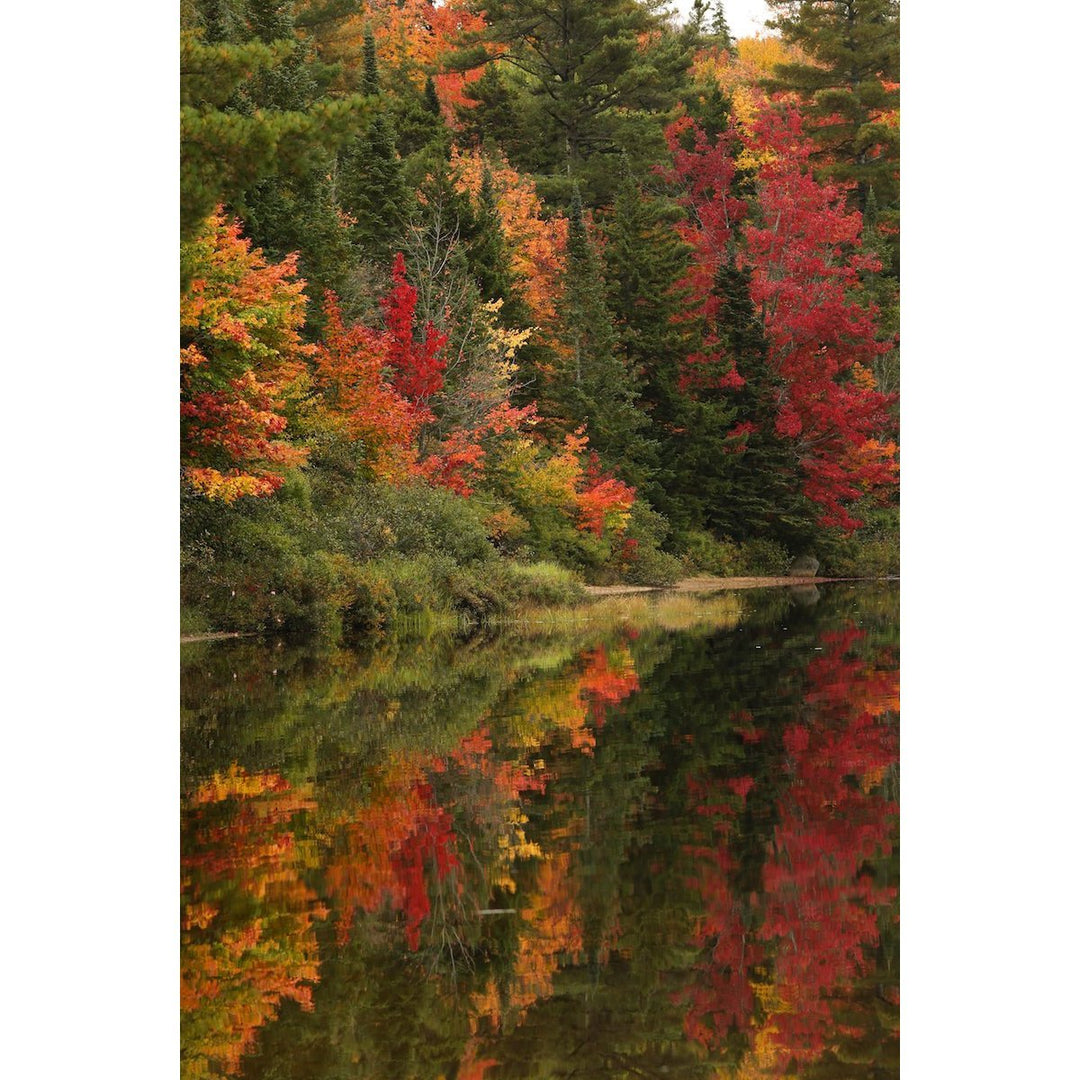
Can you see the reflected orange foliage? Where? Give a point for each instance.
(382, 852)
(247, 937)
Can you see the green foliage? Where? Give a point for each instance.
(588, 80)
(703, 552)
(871, 552)
(640, 558)
(225, 150)
(413, 520)
(596, 387)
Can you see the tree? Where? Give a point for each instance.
(849, 86)
(230, 140)
(588, 80)
(646, 296)
(799, 249)
(351, 374)
(594, 385)
(371, 186)
(241, 358)
(720, 28)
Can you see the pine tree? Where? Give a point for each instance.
(851, 87)
(294, 210)
(595, 386)
(720, 28)
(761, 494)
(590, 78)
(645, 296)
(227, 145)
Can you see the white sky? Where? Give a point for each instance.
(745, 18)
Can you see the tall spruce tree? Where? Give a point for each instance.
(720, 29)
(370, 180)
(645, 296)
(595, 385)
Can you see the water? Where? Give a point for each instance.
(663, 844)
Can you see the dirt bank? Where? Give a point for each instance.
(706, 584)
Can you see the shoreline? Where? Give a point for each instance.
(698, 584)
(710, 584)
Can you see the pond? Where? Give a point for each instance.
(658, 838)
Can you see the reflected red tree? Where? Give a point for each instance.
(780, 960)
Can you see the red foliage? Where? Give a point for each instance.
(603, 500)
(386, 850)
(814, 924)
(417, 364)
(801, 247)
(607, 680)
(350, 370)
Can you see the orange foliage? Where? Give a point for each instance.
(537, 245)
(240, 318)
(607, 679)
(384, 848)
(412, 40)
(552, 931)
(603, 501)
(351, 366)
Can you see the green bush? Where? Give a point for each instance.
(759, 557)
(650, 566)
(543, 583)
(872, 551)
(703, 553)
(413, 520)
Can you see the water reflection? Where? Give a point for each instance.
(609, 850)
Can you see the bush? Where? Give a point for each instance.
(644, 565)
(414, 520)
(872, 551)
(542, 583)
(759, 557)
(703, 553)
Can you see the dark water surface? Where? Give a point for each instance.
(651, 848)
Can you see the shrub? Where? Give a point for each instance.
(413, 520)
(541, 583)
(760, 557)
(703, 553)
(647, 565)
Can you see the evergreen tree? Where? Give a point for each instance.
(596, 386)
(227, 144)
(851, 82)
(294, 210)
(645, 298)
(489, 114)
(720, 28)
(757, 491)
(371, 185)
(591, 78)
(489, 257)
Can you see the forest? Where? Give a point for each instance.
(482, 301)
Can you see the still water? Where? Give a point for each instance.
(659, 842)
